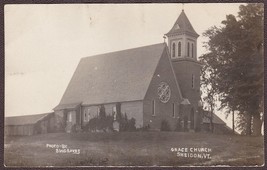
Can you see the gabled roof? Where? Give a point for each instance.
(67, 106)
(24, 120)
(113, 77)
(182, 25)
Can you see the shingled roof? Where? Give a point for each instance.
(182, 25)
(24, 120)
(113, 77)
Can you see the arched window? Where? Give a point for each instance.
(179, 49)
(173, 110)
(193, 81)
(188, 49)
(173, 50)
(153, 108)
(192, 50)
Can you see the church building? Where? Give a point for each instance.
(155, 83)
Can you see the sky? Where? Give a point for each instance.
(44, 43)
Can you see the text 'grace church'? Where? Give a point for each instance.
(151, 84)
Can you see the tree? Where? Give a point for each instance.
(207, 78)
(102, 112)
(234, 62)
(118, 111)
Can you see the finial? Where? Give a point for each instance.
(183, 7)
(164, 37)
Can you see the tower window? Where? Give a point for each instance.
(173, 50)
(188, 49)
(192, 50)
(179, 49)
(153, 108)
(193, 81)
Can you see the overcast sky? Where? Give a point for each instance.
(44, 43)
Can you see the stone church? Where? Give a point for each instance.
(152, 83)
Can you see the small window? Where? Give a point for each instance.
(69, 117)
(98, 111)
(84, 114)
(173, 110)
(153, 108)
(88, 115)
(173, 50)
(188, 49)
(179, 49)
(192, 50)
(193, 80)
(114, 110)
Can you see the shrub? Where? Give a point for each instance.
(123, 123)
(186, 124)
(118, 110)
(105, 122)
(165, 126)
(98, 123)
(102, 112)
(131, 125)
(91, 125)
(178, 127)
(144, 128)
(73, 129)
(127, 125)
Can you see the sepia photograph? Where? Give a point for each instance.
(134, 85)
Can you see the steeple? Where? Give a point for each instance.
(182, 26)
(182, 39)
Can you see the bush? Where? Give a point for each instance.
(99, 124)
(178, 127)
(127, 125)
(131, 125)
(105, 122)
(102, 112)
(73, 129)
(165, 126)
(185, 124)
(144, 128)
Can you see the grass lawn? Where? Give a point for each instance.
(132, 149)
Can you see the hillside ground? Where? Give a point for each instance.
(133, 149)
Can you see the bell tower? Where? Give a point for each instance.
(182, 39)
(182, 44)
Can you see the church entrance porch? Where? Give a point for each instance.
(68, 117)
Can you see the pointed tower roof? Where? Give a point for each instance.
(182, 25)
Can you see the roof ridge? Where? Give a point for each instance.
(39, 114)
(145, 46)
